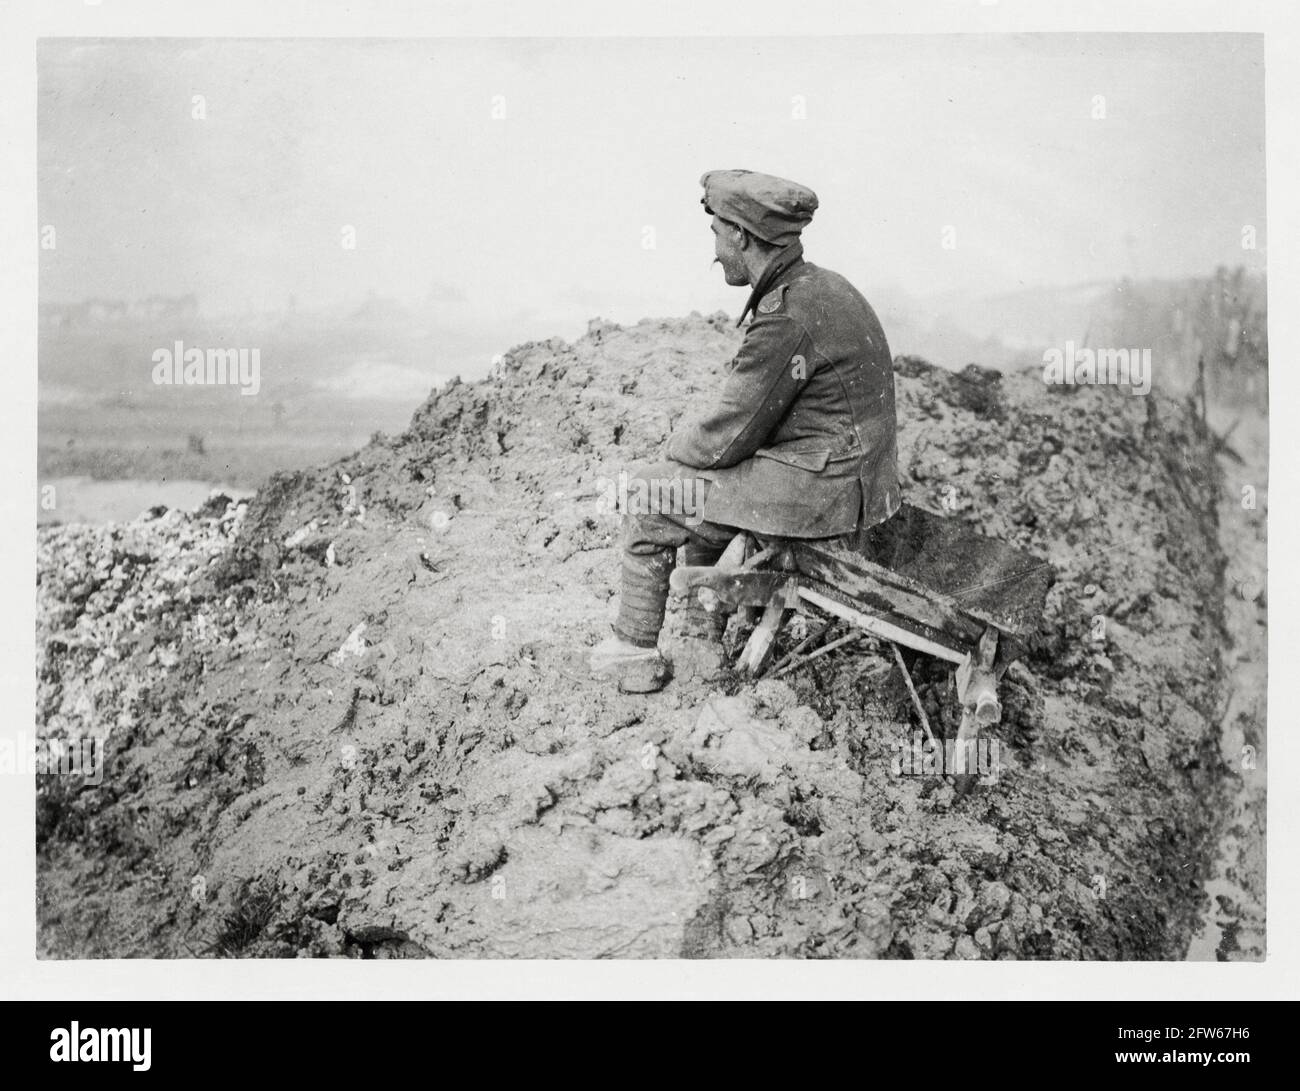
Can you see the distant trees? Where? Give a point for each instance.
(1222, 319)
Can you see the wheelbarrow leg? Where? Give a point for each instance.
(977, 690)
(758, 650)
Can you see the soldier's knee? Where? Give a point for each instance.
(664, 492)
(648, 530)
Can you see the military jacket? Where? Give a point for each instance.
(802, 442)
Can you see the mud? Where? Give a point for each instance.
(1234, 929)
(349, 717)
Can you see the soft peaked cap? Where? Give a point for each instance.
(773, 209)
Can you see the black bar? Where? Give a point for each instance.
(336, 1038)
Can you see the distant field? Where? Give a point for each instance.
(324, 390)
(240, 443)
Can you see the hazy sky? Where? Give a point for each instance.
(545, 210)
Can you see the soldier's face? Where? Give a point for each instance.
(727, 247)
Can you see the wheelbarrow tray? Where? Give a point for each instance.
(935, 576)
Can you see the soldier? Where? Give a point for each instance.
(800, 444)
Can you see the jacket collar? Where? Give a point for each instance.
(782, 262)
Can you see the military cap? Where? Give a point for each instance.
(768, 207)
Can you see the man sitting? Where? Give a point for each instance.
(802, 441)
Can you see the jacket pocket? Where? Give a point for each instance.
(814, 461)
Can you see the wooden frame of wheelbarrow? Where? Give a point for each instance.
(775, 575)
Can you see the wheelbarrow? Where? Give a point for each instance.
(918, 580)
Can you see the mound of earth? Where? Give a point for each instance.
(349, 716)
